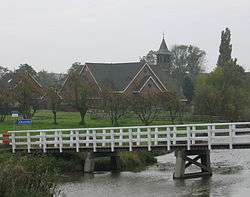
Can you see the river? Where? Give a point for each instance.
(231, 178)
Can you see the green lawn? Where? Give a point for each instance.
(43, 119)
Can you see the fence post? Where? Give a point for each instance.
(112, 140)
(77, 141)
(28, 142)
(138, 137)
(156, 136)
(120, 137)
(174, 135)
(94, 140)
(13, 142)
(103, 137)
(130, 139)
(209, 136)
(188, 137)
(71, 139)
(60, 141)
(44, 141)
(149, 139)
(193, 134)
(168, 138)
(231, 133)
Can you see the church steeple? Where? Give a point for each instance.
(163, 54)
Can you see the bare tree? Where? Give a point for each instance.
(146, 107)
(169, 101)
(115, 105)
(54, 101)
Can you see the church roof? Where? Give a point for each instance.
(115, 76)
(163, 48)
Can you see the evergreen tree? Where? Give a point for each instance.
(225, 48)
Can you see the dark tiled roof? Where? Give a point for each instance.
(168, 81)
(163, 48)
(115, 76)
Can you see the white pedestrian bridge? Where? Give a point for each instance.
(195, 140)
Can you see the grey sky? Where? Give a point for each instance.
(52, 34)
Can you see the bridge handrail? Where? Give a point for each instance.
(132, 127)
(113, 137)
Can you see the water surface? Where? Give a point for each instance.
(231, 177)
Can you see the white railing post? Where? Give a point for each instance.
(149, 138)
(71, 144)
(138, 137)
(41, 140)
(168, 138)
(112, 140)
(87, 138)
(44, 142)
(56, 139)
(94, 140)
(77, 141)
(28, 142)
(231, 134)
(130, 139)
(209, 136)
(120, 137)
(174, 135)
(193, 134)
(188, 137)
(60, 141)
(13, 142)
(103, 137)
(156, 136)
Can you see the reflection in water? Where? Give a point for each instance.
(231, 177)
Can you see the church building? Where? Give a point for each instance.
(130, 77)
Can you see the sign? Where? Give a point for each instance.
(14, 114)
(24, 121)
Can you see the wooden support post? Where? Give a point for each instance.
(183, 156)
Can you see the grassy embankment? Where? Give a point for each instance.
(36, 175)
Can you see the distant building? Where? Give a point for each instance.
(128, 78)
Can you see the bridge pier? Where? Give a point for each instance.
(115, 162)
(89, 163)
(183, 161)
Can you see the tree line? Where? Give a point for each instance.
(224, 92)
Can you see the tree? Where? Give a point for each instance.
(80, 98)
(26, 68)
(26, 100)
(51, 79)
(224, 92)
(75, 68)
(169, 101)
(54, 102)
(188, 88)
(187, 59)
(115, 105)
(150, 58)
(146, 107)
(225, 48)
(5, 102)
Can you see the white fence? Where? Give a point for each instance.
(129, 137)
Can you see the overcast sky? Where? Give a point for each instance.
(52, 34)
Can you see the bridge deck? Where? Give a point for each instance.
(113, 139)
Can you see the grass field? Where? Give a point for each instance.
(43, 119)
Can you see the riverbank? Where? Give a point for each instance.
(36, 175)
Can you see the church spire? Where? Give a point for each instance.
(163, 54)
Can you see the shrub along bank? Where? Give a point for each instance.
(37, 175)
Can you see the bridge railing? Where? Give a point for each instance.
(129, 137)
